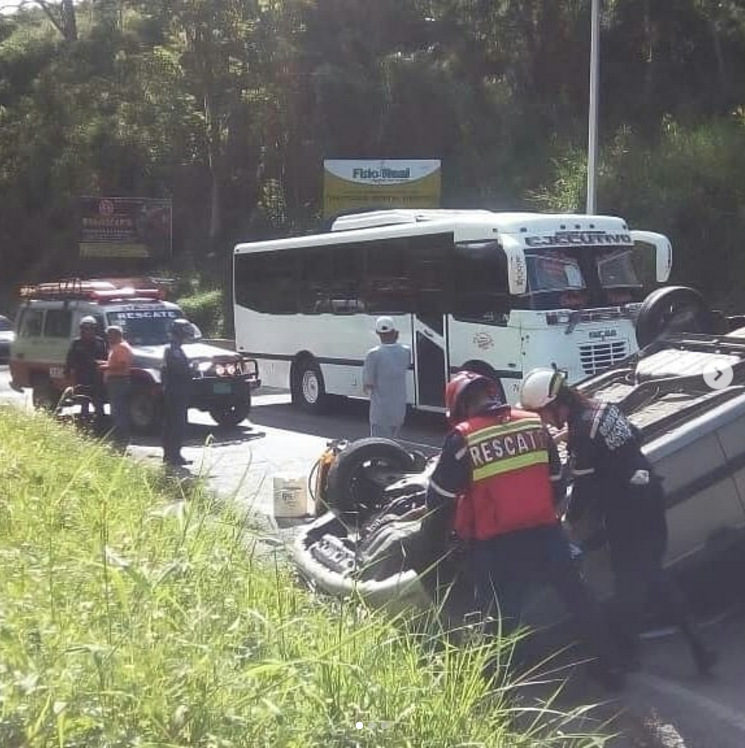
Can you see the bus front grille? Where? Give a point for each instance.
(595, 357)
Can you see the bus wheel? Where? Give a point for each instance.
(308, 389)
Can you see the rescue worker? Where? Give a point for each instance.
(384, 380)
(613, 479)
(177, 382)
(501, 468)
(81, 365)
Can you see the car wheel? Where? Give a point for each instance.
(230, 414)
(308, 388)
(360, 473)
(673, 309)
(145, 410)
(44, 396)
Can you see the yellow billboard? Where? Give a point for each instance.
(353, 184)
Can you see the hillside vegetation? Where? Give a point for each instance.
(132, 615)
(229, 109)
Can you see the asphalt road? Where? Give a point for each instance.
(666, 703)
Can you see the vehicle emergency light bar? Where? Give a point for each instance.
(94, 290)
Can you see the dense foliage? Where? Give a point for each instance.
(230, 108)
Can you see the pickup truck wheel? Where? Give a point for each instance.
(230, 414)
(145, 410)
(360, 473)
(673, 309)
(44, 396)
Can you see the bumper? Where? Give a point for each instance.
(251, 367)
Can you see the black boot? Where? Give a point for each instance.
(704, 657)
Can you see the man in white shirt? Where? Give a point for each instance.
(384, 380)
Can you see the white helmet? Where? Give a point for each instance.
(540, 387)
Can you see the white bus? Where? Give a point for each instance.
(498, 293)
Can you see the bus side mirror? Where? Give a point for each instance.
(663, 252)
(517, 269)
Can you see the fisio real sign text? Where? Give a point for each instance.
(383, 173)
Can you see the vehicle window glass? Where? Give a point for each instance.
(31, 323)
(481, 285)
(429, 265)
(58, 323)
(5, 324)
(315, 279)
(279, 288)
(267, 281)
(348, 272)
(553, 271)
(387, 287)
(248, 268)
(145, 326)
(616, 269)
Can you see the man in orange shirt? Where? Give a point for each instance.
(116, 373)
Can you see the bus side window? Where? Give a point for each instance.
(248, 282)
(345, 288)
(388, 288)
(429, 267)
(280, 287)
(315, 280)
(481, 284)
(267, 282)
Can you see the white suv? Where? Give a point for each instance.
(48, 320)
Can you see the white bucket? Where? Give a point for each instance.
(290, 496)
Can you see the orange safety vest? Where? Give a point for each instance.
(511, 484)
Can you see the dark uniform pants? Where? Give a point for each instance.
(640, 578)
(505, 568)
(93, 393)
(174, 425)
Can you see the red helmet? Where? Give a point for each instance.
(462, 383)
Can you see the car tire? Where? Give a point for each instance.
(44, 396)
(348, 490)
(229, 415)
(145, 410)
(673, 309)
(308, 388)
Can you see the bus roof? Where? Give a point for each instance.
(470, 225)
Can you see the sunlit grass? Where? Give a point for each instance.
(128, 620)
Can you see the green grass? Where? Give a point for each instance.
(126, 620)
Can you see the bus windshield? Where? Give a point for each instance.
(578, 278)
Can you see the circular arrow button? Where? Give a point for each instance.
(718, 374)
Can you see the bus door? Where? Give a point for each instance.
(431, 360)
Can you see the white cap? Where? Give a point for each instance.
(88, 321)
(384, 324)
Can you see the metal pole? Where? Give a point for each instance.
(592, 140)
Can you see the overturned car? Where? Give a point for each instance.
(684, 390)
